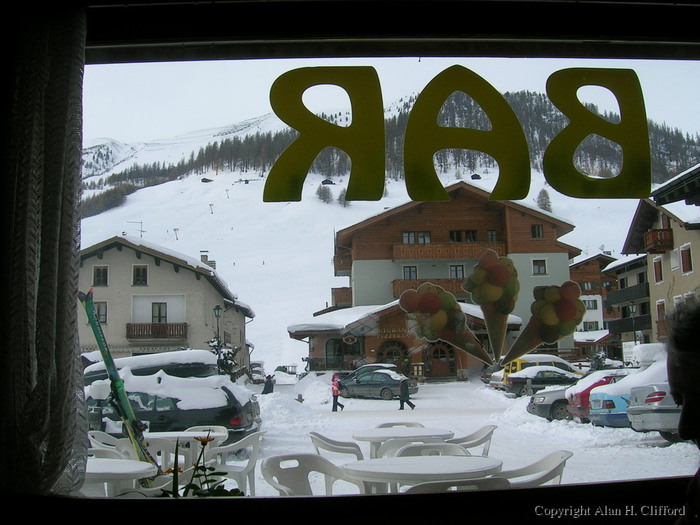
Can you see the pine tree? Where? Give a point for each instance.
(543, 201)
(324, 193)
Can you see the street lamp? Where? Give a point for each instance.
(217, 314)
(633, 310)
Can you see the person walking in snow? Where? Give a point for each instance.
(335, 391)
(403, 395)
(683, 364)
(269, 385)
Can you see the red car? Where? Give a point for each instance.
(578, 394)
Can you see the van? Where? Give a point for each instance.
(529, 360)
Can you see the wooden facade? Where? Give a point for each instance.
(436, 242)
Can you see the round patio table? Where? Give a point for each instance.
(117, 474)
(377, 436)
(381, 473)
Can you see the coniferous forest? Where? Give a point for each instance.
(672, 150)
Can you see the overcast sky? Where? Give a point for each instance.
(142, 102)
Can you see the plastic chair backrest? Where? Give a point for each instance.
(400, 424)
(549, 468)
(432, 449)
(391, 446)
(105, 453)
(480, 437)
(289, 473)
(99, 439)
(321, 442)
(163, 451)
(464, 485)
(228, 460)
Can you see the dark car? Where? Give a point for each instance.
(549, 404)
(535, 378)
(652, 408)
(168, 403)
(382, 383)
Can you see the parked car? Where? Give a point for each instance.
(578, 395)
(609, 402)
(550, 404)
(529, 360)
(487, 372)
(383, 383)
(365, 369)
(652, 408)
(535, 378)
(180, 363)
(496, 380)
(165, 402)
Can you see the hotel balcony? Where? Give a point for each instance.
(453, 286)
(160, 331)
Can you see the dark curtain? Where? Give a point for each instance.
(42, 427)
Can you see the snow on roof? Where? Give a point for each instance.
(590, 336)
(531, 371)
(654, 373)
(162, 358)
(339, 320)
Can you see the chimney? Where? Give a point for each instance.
(204, 257)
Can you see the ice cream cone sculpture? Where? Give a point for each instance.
(435, 315)
(494, 286)
(556, 312)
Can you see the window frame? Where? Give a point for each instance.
(98, 268)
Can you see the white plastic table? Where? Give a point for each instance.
(117, 474)
(381, 473)
(377, 436)
(189, 442)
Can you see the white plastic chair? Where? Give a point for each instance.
(321, 442)
(158, 485)
(400, 424)
(462, 485)
(213, 428)
(162, 451)
(105, 453)
(225, 459)
(291, 474)
(99, 439)
(480, 437)
(391, 446)
(549, 468)
(432, 449)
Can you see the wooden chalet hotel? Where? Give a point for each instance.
(437, 242)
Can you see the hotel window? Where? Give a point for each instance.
(673, 257)
(159, 312)
(686, 260)
(492, 236)
(590, 304)
(589, 326)
(101, 311)
(463, 236)
(537, 231)
(539, 267)
(140, 277)
(100, 275)
(409, 237)
(410, 272)
(456, 271)
(658, 270)
(423, 237)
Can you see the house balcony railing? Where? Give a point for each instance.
(627, 295)
(658, 241)
(445, 250)
(630, 324)
(453, 286)
(342, 264)
(172, 331)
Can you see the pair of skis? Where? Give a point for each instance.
(118, 397)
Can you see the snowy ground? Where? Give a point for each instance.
(600, 454)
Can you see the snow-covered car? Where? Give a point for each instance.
(652, 408)
(164, 401)
(365, 369)
(529, 360)
(550, 404)
(535, 378)
(578, 394)
(180, 363)
(609, 402)
(382, 383)
(496, 380)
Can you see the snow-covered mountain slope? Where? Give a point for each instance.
(277, 257)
